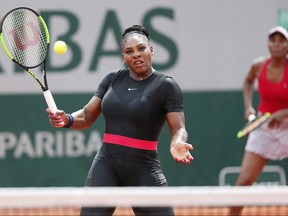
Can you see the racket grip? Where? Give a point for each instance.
(50, 101)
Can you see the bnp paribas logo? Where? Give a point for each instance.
(283, 18)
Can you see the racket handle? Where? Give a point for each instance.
(50, 101)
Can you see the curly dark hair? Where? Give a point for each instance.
(137, 29)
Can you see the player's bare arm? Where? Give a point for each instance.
(248, 87)
(85, 117)
(179, 148)
(82, 118)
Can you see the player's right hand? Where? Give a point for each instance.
(248, 113)
(58, 119)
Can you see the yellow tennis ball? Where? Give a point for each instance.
(60, 47)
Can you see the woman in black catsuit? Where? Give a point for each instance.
(135, 103)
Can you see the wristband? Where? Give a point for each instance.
(70, 121)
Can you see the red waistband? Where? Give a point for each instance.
(130, 142)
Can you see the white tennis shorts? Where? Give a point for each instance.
(271, 144)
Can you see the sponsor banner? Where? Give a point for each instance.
(203, 44)
(43, 144)
(33, 153)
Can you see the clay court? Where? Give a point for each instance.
(189, 211)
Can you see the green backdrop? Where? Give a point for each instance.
(212, 120)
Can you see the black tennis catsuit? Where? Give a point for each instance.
(133, 109)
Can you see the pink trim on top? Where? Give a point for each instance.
(130, 142)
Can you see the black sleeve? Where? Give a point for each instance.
(105, 84)
(172, 96)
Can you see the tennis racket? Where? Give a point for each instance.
(253, 123)
(25, 39)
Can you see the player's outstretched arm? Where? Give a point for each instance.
(179, 148)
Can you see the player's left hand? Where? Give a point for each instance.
(181, 152)
(275, 120)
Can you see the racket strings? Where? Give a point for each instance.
(25, 37)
